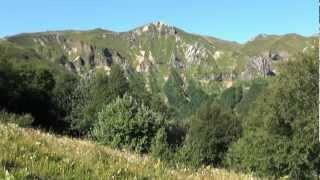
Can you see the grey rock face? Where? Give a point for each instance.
(263, 65)
(259, 66)
(194, 53)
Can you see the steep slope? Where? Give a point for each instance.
(288, 43)
(22, 55)
(154, 46)
(32, 154)
(156, 49)
(10, 50)
(266, 52)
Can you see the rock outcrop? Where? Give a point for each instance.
(264, 65)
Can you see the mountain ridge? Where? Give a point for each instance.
(156, 49)
(154, 22)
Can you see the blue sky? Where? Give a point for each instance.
(237, 20)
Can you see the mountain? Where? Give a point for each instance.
(157, 48)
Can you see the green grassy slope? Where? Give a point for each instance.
(291, 43)
(162, 43)
(32, 154)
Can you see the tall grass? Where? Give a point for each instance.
(31, 154)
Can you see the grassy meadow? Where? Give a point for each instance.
(31, 154)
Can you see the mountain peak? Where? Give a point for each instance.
(156, 27)
(157, 24)
(160, 23)
(260, 36)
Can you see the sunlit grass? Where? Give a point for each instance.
(32, 154)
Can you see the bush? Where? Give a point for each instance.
(212, 130)
(124, 123)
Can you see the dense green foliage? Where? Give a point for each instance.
(196, 95)
(249, 97)
(280, 135)
(212, 130)
(125, 123)
(100, 89)
(175, 92)
(26, 87)
(183, 98)
(231, 97)
(91, 94)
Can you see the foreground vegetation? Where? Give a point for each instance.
(32, 154)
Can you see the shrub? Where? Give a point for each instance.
(125, 123)
(212, 130)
